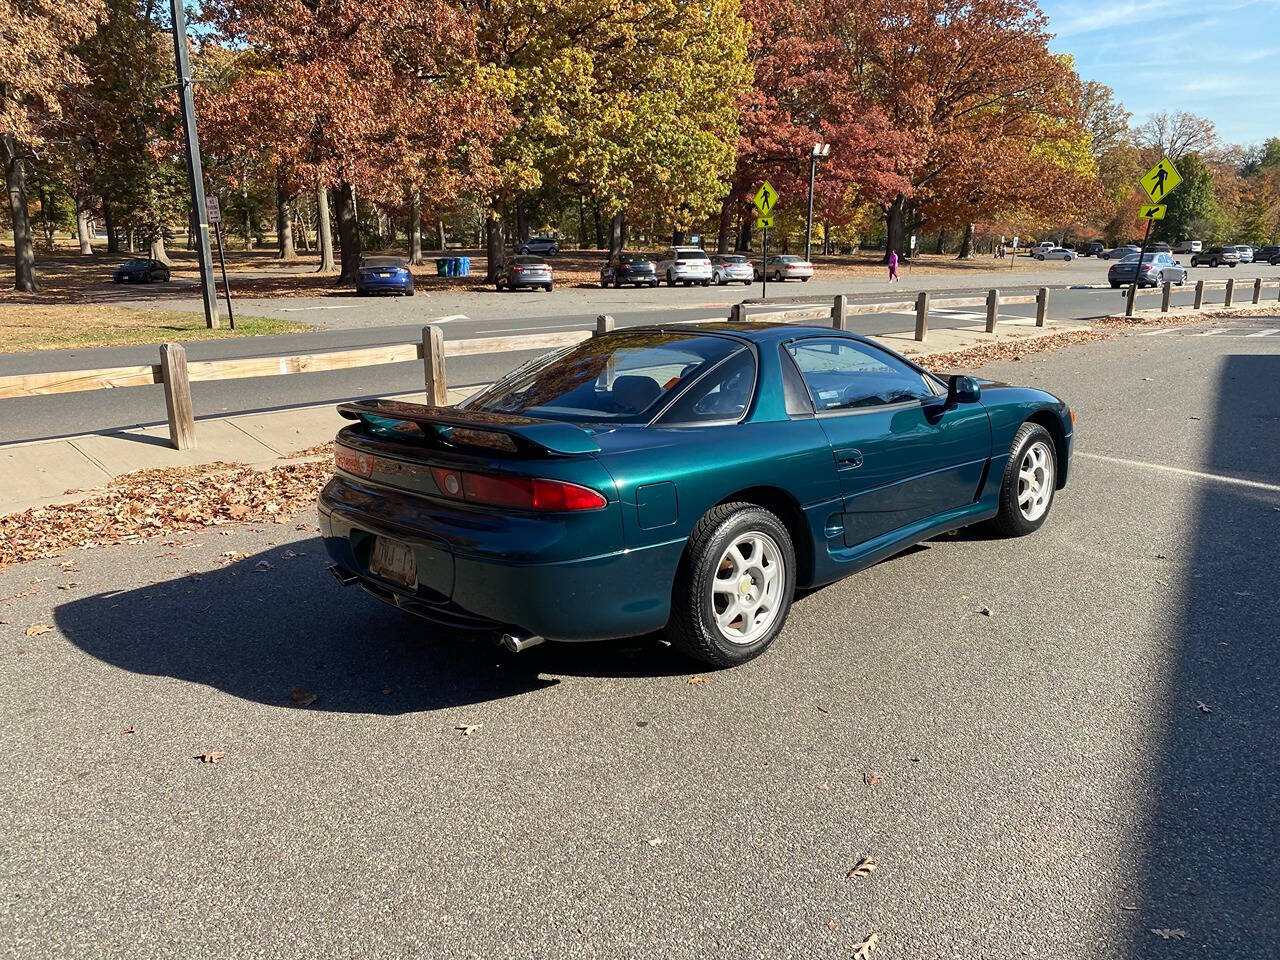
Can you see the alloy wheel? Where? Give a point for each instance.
(746, 591)
(1035, 481)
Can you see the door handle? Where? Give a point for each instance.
(849, 457)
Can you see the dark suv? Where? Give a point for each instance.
(1269, 255)
(1216, 255)
(1092, 248)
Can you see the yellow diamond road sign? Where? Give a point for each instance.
(764, 223)
(1153, 212)
(1160, 180)
(765, 198)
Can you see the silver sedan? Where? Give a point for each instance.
(524, 271)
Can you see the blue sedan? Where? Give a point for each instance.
(687, 478)
(384, 275)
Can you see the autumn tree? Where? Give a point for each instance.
(37, 66)
(1176, 134)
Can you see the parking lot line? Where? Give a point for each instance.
(1184, 472)
(1211, 333)
(1264, 333)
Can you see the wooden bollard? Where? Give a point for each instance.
(993, 309)
(839, 312)
(433, 366)
(1257, 290)
(1042, 306)
(1199, 295)
(1166, 296)
(177, 396)
(922, 315)
(1231, 292)
(604, 324)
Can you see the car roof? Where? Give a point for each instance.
(757, 332)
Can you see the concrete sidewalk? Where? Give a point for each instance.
(45, 472)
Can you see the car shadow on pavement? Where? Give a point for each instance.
(1205, 850)
(267, 623)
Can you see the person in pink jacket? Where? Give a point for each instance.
(893, 266)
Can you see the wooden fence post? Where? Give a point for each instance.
(922, 315)
(1166, 296)
(839, 316)
(1199, 295)
(604, 324)
(433, 366)
(1130, 296)
(177, 396)
(1231, 292)
(1257, 290)
(737, 313)
(993, 309)
(1042, 306)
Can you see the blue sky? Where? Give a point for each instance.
(1219, 60)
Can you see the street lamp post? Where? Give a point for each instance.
(820, 151)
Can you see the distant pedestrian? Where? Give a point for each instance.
(893, 266)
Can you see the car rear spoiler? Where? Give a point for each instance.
(550, 436)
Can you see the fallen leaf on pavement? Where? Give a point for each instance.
(985, 611)
(264, 565)
(863, 950)
(863, 868)
(238, 511)
(1167, 933)
(655, 841)
(871, 779)
(38, 628)
(467, 729)
(831, 924)
(822, 709)
(1203, 707)
(128, 729)
(303, 698)
(211, 756)
(695, 681)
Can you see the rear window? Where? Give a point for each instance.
(626, 377)
(691, 255)
(732, 258)
(530, 261)
(633, 258)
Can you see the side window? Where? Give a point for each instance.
(723, 394)
(845, 375)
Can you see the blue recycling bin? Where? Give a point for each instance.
(442, 266)
(464, 266)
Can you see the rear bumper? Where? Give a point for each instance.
(384, 286)
(620, 593)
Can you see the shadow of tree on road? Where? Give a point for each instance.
(255, 632)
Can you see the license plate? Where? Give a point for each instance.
(393, 561)
(385, 276)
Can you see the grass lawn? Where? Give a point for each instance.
(32, 327)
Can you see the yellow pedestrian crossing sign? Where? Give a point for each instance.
(764, 223)
(1153, 212)
(765, 198)
(1160, 180)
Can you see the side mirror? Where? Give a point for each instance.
(961, 389)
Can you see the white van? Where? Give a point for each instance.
(1188, 246)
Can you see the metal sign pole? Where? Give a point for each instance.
(226, 287)
(764, 259)
(195, 173)
(1131, 300)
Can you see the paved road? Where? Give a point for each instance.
(72, 414)
(1048, 784)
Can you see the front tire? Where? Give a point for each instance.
(1030, 478)
(734, 587)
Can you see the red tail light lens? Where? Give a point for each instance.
(521, 493)
(352, 461)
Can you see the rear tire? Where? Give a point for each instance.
(734, 587)
(1030, 479)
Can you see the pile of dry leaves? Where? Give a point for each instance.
(1007, 350)
(149, 503)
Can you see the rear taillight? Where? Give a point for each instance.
(522, 493)
(352, 461)
(517, 269)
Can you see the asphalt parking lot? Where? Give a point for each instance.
(1050, 747)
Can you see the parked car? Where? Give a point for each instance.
(1053, 253)
(1042, 245)
(1216, 255)
(1120, 252)
(687, 478)
(1188, 246)
(384, 275)
(1269, 255)
(521, 271)
(731, 268)
(141, 270)
(1159, 248)
(1094, 248)
(786, 267)
(1245, 252)
(637, 269)
(549, 246)
(1157, 268)
(685, 265)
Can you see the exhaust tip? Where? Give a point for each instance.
(516, 642)
(343, 575)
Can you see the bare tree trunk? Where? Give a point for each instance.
(617, 233)
(82, 228)
(522, 222)
(46, 221)
(966, 245)
(726, 224)
(109, 224)
(493, 243)
(157, 249)
(348, 233)
(284, 223)
(895, 225)
(15, 177)
(248, 218)
(595, 209)
(324, 230)
(582, 224)
(441, 237)
(415, 228)
(942, 241)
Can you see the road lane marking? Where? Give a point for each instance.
(1210, 333)
(1264, 333)
(340, 306)
(1184, 472)
(1157, 333)
(571, 326)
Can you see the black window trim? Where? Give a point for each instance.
(750, 347)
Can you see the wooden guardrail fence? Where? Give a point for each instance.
(177, 374)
